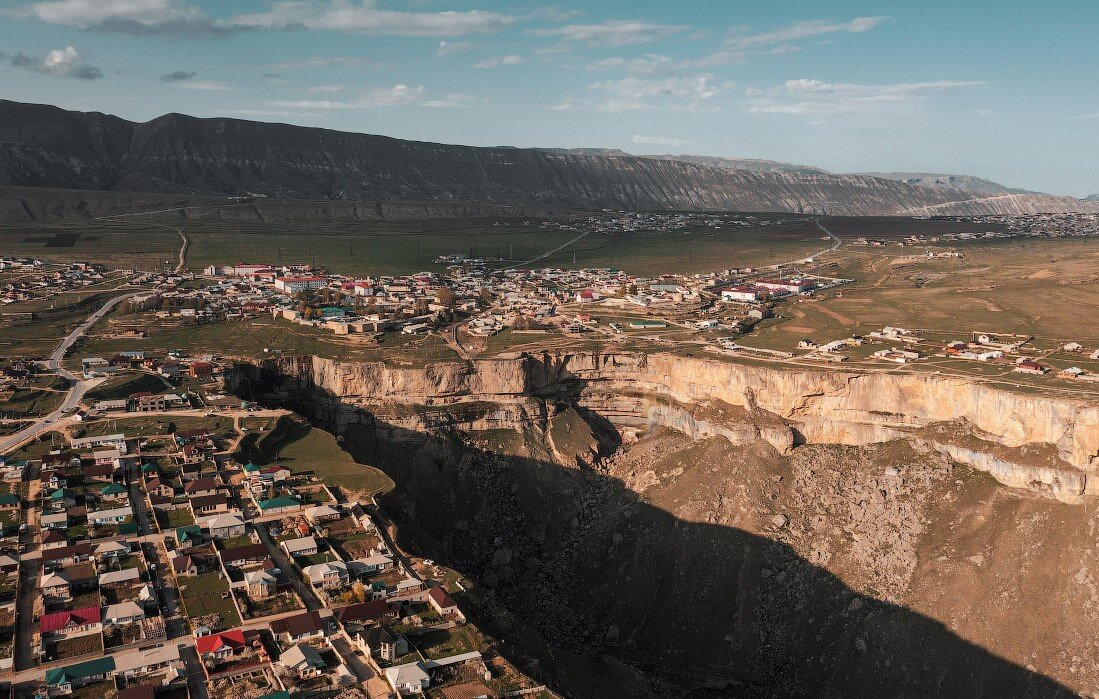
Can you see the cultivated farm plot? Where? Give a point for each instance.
(206, 594)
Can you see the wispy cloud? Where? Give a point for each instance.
(322, 62)
(741, 43)
(819, 98)
(325, 88)
(60, 63)
(612, 32)
(203, 85)
(497, 61)
(1076, 117)
(365, 17)
(649, 64)
(449, 48)
(136, 17)
(687, 93)
(661, 141)
(176, 76)
(399, 94)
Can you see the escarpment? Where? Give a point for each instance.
(1048, 444)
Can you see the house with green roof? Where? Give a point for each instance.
(80, 674)
(189, 536)
(9, 501)
(114, 491)
(279, 505)
(62, 499)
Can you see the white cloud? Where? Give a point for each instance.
(1093, 115)
(364, 17)
(264, 112)
(453, 99)
(449, 48)
(613, 32)
(816, 97)
(398, 94)
(661, 141)
(497, 61)
(322, 62)
(206, 85)
(687, 86)
(325, 88)
(59, 63)
(127, 16)
(688, 93)
(742, 43)
(649, 64)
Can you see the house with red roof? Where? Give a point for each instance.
(443, 604)
(222, 645)
(70, 623)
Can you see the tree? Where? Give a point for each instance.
(446, 297)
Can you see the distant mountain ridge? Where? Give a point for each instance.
(45, 146)
(966, 183)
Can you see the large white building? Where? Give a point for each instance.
(293, 285)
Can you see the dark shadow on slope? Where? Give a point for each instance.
(628, 600)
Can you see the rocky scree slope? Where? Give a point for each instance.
(43, 146)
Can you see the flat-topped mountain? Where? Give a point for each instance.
(45, 146)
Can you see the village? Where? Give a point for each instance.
(153, 562)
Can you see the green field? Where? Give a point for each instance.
(203, 594)
(304, 449)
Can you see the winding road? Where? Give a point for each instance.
(78, 385)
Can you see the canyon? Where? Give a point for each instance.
(661, 525)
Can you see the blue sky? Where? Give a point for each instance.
(1000, 90)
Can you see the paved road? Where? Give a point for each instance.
(304, 591)
(78, 385)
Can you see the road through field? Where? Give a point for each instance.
(78, 385)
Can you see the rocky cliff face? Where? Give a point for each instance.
(43, 146)
(1029, 441)
(745, 531)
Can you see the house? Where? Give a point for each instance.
(188, 536)
(303, 660)
(328, 576)
(8, 564)
(209, 504)
(300, 627)
(65, 679)
(70, 623)
(245, 555)
(223, 526)
(110, 550)
(1026, 366)
(115, 515)
(114, 492)
(201, 486)
(52, 539)
(54, 521)
(279, 505)
(367, 612)
(321, 514)
(220, 645)
(55, 585)
(379, 642)
(9, 501)
(66, 555)
(192, 564)
(260, 584)
(443, 604)
(158, 488)
(101, 473)
(296, 548)
(128, 612)
(61, 499)
(119, 577)
(407, 679)
(374, 563)
(146, 662)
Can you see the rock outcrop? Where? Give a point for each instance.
(1043, 443)
(44, 146)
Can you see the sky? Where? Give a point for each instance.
(1001, 90)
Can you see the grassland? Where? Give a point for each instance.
(206, 594)
(305, 449)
